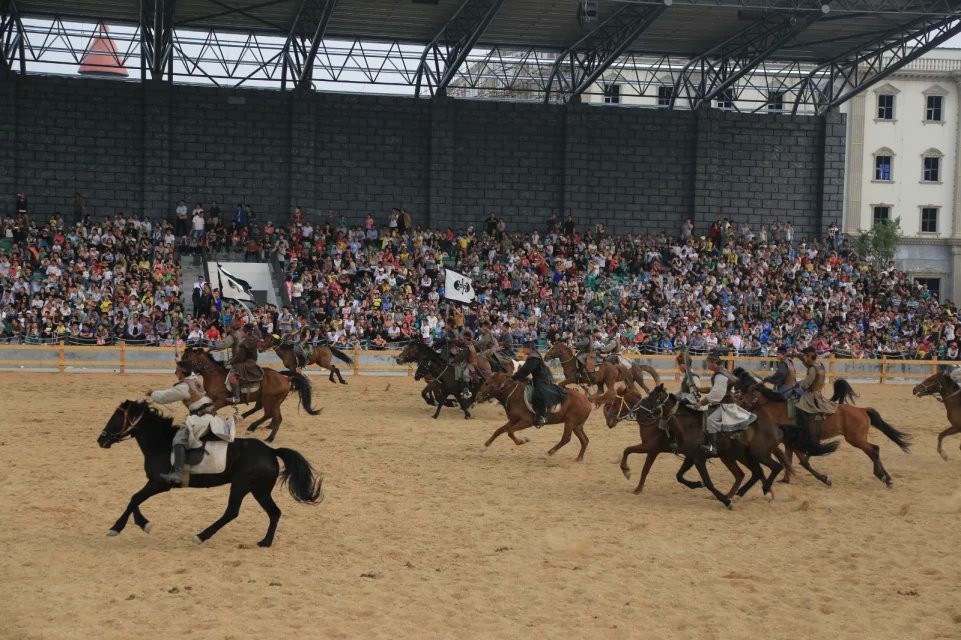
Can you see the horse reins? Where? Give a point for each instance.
(129, 425)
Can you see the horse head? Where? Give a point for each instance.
(410, 352)
(122, 424)
(930, 385)
(559, 351)
(621, 407)
(493, 387)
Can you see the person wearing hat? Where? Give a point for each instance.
(507, 342)
(812, 402)
(690, 392)
(486, 345)
(188, 389)
(784, 378)
(724, 412)
(244, 363)
(546, 393)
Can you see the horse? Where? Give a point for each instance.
(273, 390)
(443, 383)
(322, 356)
(604, 376)
(942, 384)
(850, 421)
(573, 412)
(251, 468)
(465, 353)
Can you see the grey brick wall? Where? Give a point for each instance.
(135, 147)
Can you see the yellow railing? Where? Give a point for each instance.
(128, 358)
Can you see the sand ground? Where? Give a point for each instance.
(422, 536)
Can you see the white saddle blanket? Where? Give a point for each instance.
(529, 394)
(214, 458)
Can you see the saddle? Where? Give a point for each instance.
(529, 400)
(211, 458)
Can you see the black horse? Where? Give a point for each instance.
(251, 468)
(445, 383)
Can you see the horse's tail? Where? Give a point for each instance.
(648, 370)
(903, 440)
(340, 355)
(800, 439)
(302, 385)
(843, 392)
(304, 483)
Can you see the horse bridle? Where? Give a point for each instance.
(631, 410)
(129, 424)
(931, 390)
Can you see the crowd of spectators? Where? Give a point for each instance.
(743, 289)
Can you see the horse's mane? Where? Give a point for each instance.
(768, 394)
(207, 356)
(150, 411)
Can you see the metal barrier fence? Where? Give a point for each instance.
(123, 359)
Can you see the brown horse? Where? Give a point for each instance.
(604, 376)
(940, 383)
(757, 444)
(573, 412)
(322, 356)
(850, 421)
(465, 353)
(274, 388)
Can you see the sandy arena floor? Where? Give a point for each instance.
(422, 536)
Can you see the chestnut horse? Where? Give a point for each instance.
(322, 356)
(942, 384)
(604, 376)
(850, 421)
(274, 388)
(573, 412)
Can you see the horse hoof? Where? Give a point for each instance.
(627, 474)
(729, 505)
(263, 543)
(147, 527)
(827, 481)
(482, 450)
(545, 456)
(526, 440)
(113, 533)
(770, 496)
(944, 456)
(784, 481)
(250, 430)
(735, 497)
(197, 540)
(269, 439)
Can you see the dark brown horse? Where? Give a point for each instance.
(322, 356)
(850, 421)
(941, 384)
(573, 412)
(604, 376)
(274, 388)
(441, 376)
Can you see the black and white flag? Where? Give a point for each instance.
(232, 287)
(458, 287)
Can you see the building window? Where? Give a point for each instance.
(775, 101)
(885, 106)
(882, 168)
(932, 169)
(932, 110)
(725, 100)
(612, 94)
(664, 96)
(882, 213)
(931, 284)
(929, 219)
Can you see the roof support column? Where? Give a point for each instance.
(306, 34)
(449, 48)
(156, 39)
(13, 58)
(577, 68)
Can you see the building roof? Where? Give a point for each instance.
(686, 28)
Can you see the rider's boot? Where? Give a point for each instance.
(175, 477)
(710, 447)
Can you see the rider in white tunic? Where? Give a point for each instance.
(189, 389)
(724, 412)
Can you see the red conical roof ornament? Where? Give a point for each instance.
(101, 58)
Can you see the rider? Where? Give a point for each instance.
(188, 389)
(507, 341)
(587, 344)
(812, 402)
(232, 341)
(784, 379)
(486, 345)
(244, 363)
(546, 393)
(611, 348)
(723, 410)
(690, 393)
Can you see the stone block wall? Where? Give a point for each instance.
(141, 147)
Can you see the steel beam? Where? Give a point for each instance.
(12, 54)
(583, 62)
(447, 51)
(715, 71)
(836, 81)
(304, 40)
(156, 38)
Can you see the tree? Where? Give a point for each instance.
(881, 241)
